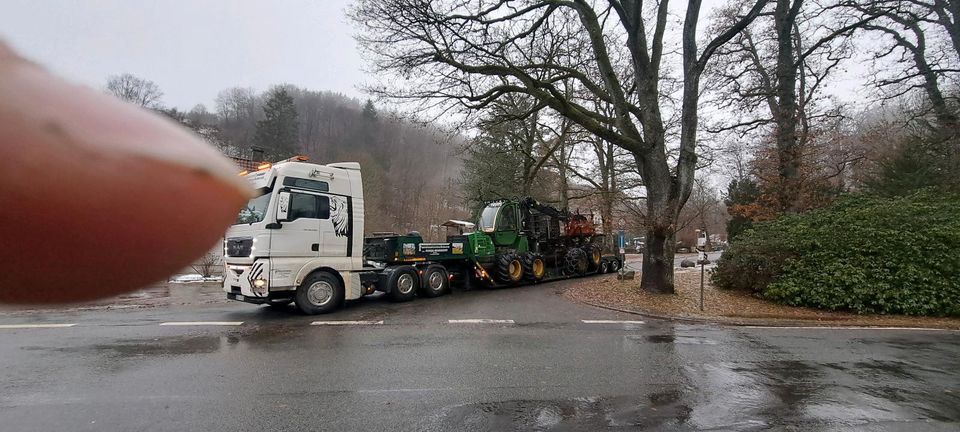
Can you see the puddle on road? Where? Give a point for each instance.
(674, 339)
(656, 411)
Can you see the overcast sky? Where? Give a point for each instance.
(194, 48)
(191, 48)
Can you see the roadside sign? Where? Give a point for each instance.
(621, 240)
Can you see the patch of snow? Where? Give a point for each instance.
(187, 278)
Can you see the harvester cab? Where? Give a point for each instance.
(501, 221)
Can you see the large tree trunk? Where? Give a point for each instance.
(788, 151)
(657, 269)
(662, 212)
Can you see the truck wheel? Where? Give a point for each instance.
(594, 256)
(403, 283)
(509, 268)
(614, 266)
(575, 262)
(604, 267)
(534, 268)
(435, 281)
(319, 293)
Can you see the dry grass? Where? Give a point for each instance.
(729, 307)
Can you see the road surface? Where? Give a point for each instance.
(498, 360)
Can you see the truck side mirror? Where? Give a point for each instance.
(283, 206)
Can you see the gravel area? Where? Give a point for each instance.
(725, 306)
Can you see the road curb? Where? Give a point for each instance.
(736, 323)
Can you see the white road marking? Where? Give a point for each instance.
(406, 390)
(847, 328)
(610, 322)
(202, 323)
(34, 326)
(481, 321)
(335, 323)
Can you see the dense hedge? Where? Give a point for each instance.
(865, 254)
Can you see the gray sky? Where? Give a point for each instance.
(191, 49)
(194, 48)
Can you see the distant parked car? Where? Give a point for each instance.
(683, 249)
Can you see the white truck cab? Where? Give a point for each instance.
(305, 223)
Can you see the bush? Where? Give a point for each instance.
(866, 254)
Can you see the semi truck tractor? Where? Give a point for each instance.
(300, 240)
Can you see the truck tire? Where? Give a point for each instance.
(594, 256)
(435, 281)
(402, 283)
(614, 266)
(575, 262)
(320, 293)
(534, 268)
(604, 267)
(509, 268)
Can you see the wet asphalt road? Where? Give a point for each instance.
(121, 370)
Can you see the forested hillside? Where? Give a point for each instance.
(410, 172)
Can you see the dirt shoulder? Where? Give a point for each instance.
(726, 307)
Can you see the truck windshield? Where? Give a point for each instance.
(256, 208)
(489, 217)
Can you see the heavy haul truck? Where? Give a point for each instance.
(300, 240)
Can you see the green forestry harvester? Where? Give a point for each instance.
(516, 242)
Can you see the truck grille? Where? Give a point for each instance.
(239, 247)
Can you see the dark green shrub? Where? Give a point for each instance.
(865, 254)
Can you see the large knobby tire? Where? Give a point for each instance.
(594, 256)
(575, 263)
(435, 281)
(402, 283)
(320, 293)
(509, 268)
(534, 268)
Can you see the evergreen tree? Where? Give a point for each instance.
(277, 133)
(920, 162)
(742, 196)
(369, 111)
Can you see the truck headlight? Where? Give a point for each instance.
(260, 286)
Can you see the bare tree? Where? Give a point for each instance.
(910, 28)
(135, 90)
(775, 71)
(470, 54)
(207, 264)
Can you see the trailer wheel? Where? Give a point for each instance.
(320, 293)
(614, 266)
(435, 281)
(534, 268)
(402, 283)
(604, 267)
(509, 268)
